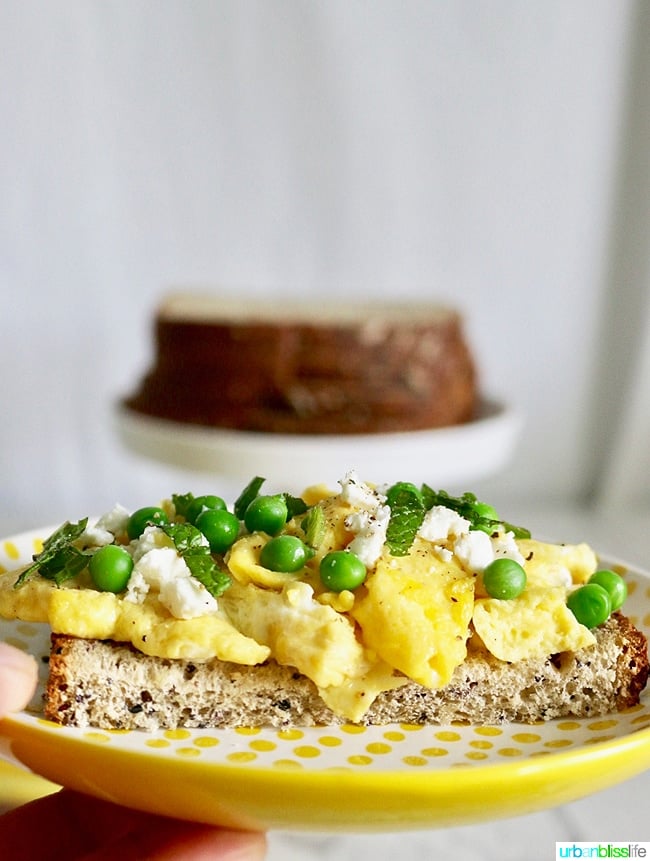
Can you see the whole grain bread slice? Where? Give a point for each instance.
(112, 686)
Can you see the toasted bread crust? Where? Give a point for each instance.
(632, 665)
(111, 685)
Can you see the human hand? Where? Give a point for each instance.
(76, 827)
(18, 677)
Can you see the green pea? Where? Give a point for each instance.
(285, 553)
(220, 527)
(590, 604)
(341, 569)
(110, 568)
(613, 584)
(504, 578)
(404, 489)
(204, 503)
(266, 514)
(485, 515)
(143, 517)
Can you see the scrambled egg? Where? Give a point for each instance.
(412, 618)
(149, 626)
(415, 614)
(536, 624)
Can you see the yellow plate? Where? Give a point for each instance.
(18, 786)
(334, 778)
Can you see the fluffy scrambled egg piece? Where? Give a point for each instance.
(415, 614)
(536, 624)
(80, 611)
(557, 564)
(314, 638)
(299, 631)
(411, 619)
(151, 628)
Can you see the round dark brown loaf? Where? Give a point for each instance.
(294, 368)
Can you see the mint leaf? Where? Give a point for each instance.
(469, 507)
(191, 547)
(187, 538)
(407, 511)
(295, 505)
(517, 531)
(182, 502)
(247, 495)
(59, 560)
(206, 571)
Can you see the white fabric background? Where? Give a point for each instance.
(489, 153)
(482, 153)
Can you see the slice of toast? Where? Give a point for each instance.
(112, 686)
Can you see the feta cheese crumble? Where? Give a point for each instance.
(164, 571)
(358, 493)
(440, 522)
(370, 533)
(106, 527)
(452, 535)
(474, 550)
(152, 538)
(369, 522)
(505, 545)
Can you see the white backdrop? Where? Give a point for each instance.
(490, 154)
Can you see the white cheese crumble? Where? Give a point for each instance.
(440, 522)
(370, 533)
(369, 522)
(186, 598)
(474, 550)
(358, 493)
(505, 545)
(152, 538)
(106, 528)
(162, 569)
(443, 553)
(115, 520)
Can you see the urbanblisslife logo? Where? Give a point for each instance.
(602, 850)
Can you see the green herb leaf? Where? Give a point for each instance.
(59, 560)
(313, 526)
(295, 505)
(190, 545)
(182, 502)
(469, 507)
(187, 538)
(517, 531)
(206, 571)
(407, 511)
(247, 495)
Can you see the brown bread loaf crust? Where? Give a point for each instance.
(295, 368)
(111, 685)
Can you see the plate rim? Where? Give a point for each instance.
(597, 750)
(624, 756)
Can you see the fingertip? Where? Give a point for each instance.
(18, 677)
(208, 844)
(247, 846)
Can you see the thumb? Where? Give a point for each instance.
(18, 676)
